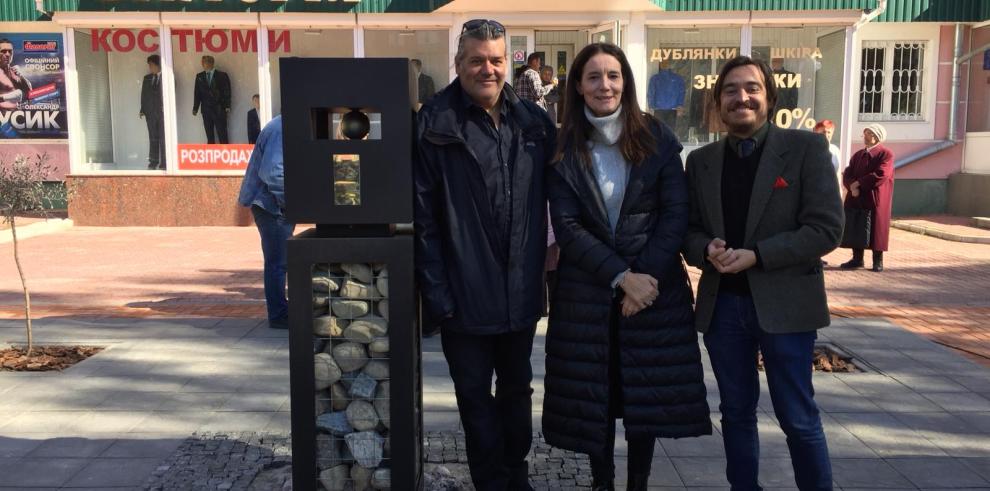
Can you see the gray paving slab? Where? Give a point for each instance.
(109, 473)
(887, 436)
(867, 473)
(930, 383)
(979, 420)
(960, 402)
(16, 448)
(931, 472)
(146, 446)
(951, 433)
(28, 472)
(980, 466)
(700, 471)
(71, 447)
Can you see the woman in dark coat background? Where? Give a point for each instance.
(869, 183)
(621, 341)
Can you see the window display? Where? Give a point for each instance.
(309, 43)
(683, 66)
(428, 50)
(120, 99)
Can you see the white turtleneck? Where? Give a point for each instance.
(610, 167)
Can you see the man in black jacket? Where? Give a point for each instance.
(151, 111)
(480, 213)
(253, 121)
(212, 92)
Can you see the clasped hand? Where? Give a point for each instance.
(640, 291)
(729, 260)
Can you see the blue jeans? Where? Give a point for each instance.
(732, 342)
(275, 232)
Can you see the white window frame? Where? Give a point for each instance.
(885, 114)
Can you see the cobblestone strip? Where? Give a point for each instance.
(220, 461)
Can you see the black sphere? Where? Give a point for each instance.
(355, 125)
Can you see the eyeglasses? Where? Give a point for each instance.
(493, 26)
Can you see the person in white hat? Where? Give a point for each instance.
(869, 183)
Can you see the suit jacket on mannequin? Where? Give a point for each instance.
(212, 95)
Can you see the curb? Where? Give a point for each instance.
(981, 222)
(36, 229)
(940, 234)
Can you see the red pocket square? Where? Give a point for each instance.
(780, 183)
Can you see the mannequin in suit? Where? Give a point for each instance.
(151, 111)
(212, 94)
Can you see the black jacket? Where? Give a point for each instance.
(151, 97)
(253, 126)
(463, 274)
(213, 96)
(661, 377)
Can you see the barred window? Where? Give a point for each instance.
(891, 81)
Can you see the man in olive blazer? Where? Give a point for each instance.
(764, 209)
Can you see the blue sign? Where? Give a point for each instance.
(32, 86)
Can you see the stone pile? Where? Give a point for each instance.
(350, 323)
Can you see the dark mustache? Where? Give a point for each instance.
(748, 105)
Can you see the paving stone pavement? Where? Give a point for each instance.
(918, 418)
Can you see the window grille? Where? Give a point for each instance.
(892, 81)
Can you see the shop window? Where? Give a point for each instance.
(892, 81)
(309, 43)
(216, 76)
(683, 67)
(427, 48)
(120, 99)
(807, 65)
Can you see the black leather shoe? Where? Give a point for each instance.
(877, 262)
(603, 485)
(852, 264)
(638, 482)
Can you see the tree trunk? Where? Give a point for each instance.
(27, 295)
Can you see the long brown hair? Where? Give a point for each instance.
(637, 142)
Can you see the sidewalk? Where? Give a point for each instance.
(192, 392)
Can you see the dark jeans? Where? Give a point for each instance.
(215, 118)
(732, 343)
(275, 232)
(498, 429)
(156, 140)
(668, 116)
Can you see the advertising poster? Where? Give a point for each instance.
(32, 86)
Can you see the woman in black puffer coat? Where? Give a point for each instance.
(621, 341)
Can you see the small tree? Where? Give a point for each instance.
(22, 191)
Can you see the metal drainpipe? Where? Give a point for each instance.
(953, 136)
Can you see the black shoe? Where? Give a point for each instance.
(878, 261)
(603, 485)
(638, 482)
(152, 166)
(852, 264)
(280, 323)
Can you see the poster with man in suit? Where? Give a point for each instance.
(212, 95)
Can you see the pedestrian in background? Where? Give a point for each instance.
(869, 182)
(621, 340)
(263, 190)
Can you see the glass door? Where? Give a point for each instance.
(605, 33)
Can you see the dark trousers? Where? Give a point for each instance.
(275, 232)
(668, 116)
(640, 451)
(156, 140)
(215, 118)
(498, 429)
(732, 341)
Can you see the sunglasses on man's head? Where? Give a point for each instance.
(478, 24)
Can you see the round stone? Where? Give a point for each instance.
(362, 272)
(324, 283)
(350, 309)
(361, 477)
(382, 479)
(326, 369)
(329, 326)
(382, 283)
(350, 357)
(334, 423)
(328, 451)
(362, 416)
(335, 478)
(377, 369)
(338, 397)
(355, 290)
(378, 348)
(366, 330)
(383, 308)
(382, 405)
(320, 301)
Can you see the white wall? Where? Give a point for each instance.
(326, 43)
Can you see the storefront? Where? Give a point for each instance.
(676, 51)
